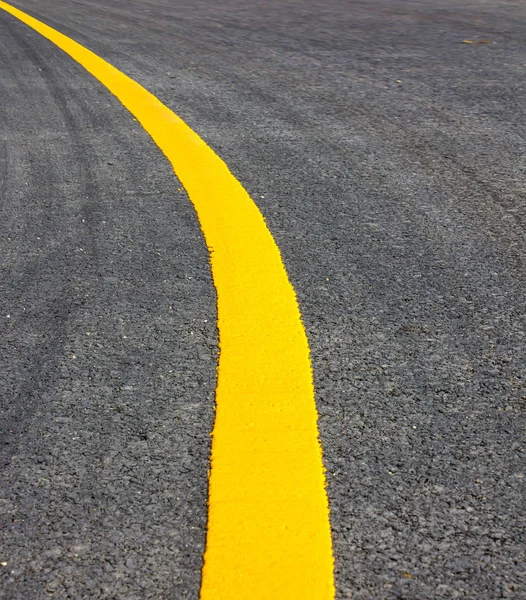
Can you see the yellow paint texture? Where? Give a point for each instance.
(268, 529)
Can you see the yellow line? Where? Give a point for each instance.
(268, 527)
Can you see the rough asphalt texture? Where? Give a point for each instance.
(388, 159)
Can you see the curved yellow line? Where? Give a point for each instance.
(268, 529)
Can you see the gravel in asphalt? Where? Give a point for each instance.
(387, 157)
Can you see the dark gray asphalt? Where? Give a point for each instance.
(389, 160)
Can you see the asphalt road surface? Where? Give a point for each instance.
(388, 158)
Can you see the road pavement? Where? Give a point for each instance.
(387, 157)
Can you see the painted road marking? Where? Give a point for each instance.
(268, 523)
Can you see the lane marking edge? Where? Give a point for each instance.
(268, 535)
